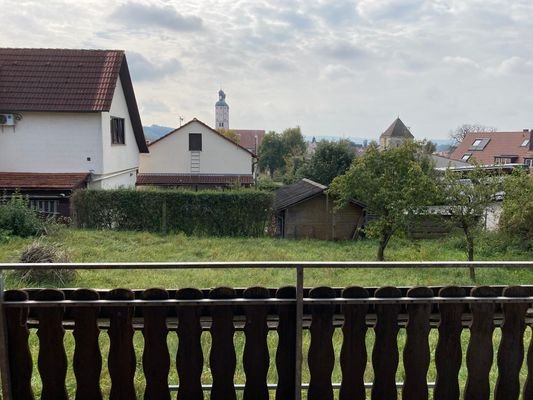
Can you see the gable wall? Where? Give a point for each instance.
(218, 155)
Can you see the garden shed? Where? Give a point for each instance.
(304, 210)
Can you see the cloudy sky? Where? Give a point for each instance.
(333, 67)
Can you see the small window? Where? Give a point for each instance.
(505, 159)
(525, 143)
(479, 144)
(195, 142)
(529, 162)
(466, 156)
(117, 131)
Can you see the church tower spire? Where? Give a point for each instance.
(221, 111)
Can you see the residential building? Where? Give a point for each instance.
(68, 119)
(196, 156)
(489, 148)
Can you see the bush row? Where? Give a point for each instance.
(212, 213)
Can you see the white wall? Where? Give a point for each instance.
(52, 142)
(218, 155)
(119, 157)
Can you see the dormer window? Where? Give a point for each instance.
(479, 144)
(117, 131)
(195, 142)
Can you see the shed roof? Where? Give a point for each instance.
(66, 80)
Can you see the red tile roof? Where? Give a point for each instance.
(247, 138)
(58, 79)
(186, 179)
(499, 144)
(41, 181)
(66, 80)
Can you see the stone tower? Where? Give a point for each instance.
(395, 135)
(221, 111)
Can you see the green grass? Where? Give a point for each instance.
(107, 246)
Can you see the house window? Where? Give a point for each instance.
(505, 159)
(479, 144)
(117, 131)
(46, 207)
(525, 143)
(529, 162)
(195, 142)
(466, 156)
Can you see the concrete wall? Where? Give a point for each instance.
(218, 156)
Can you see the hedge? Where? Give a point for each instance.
(211, 213)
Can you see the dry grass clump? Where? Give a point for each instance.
(43, 252)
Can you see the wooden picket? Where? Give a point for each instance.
(409, 310)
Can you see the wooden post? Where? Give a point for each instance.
(87, 357)
(156, 360)
(385, 353)
(353, 352)
(190, 359)
(222, 358)
(321, 355)
(448, 355)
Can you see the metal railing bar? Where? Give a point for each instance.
(273, 264)
(304, 386)
(270, 302)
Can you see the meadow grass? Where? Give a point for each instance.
(107, 246)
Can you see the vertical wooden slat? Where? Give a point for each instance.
(511, 351)
(255, 357)
(52, 361)
(385, 353)
(121, 361)
(321, 356)
(448, 355)
(222, 356)
(286, 351)
(87, 360)
(156, 360)
(190, 359)
(20, 362)
(353, 351)
(416, 354)
(480, 353)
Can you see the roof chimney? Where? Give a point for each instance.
(525, 130)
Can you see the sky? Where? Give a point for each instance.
(342, 68)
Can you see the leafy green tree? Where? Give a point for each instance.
(394, 183)
(517, 216)
(271, 153)
(468, 194)
(293, 141)
(330, 159)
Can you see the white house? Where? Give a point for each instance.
(196, 155)
(67, 113)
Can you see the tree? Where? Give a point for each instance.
(394, 183)
(283, 152)
(271, 153)
(517, 215)
(230, 134)
(330, 159)
(459, 133)
(468, 195)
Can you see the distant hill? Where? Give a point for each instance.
(154, 132)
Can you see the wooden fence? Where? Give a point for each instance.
(256, 310)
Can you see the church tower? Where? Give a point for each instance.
(221, 111)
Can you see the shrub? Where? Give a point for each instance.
(18, 219)
(42, 252)
(212, 213)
